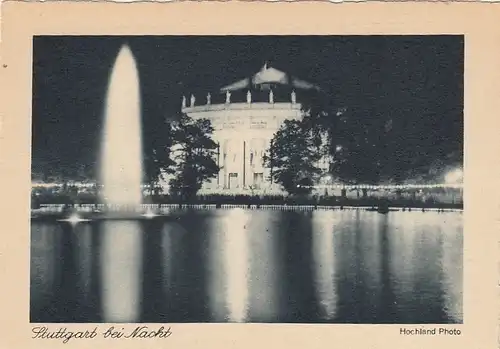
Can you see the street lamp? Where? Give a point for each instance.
(453, 178)
(327, 179)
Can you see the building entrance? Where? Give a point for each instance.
(258, 179)
(233, 181)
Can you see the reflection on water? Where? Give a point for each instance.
(452, 276)
(265, 266)
(121, 265)
(45, 249)
(324, 259)
(251, 266)
(84, 258)
(230, 267)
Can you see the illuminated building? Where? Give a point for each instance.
(245, 116)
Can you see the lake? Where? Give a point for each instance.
(236, 265)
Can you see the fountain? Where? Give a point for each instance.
(121, 153)
(121, 177)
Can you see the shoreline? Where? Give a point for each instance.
(240, 200)
(161, 210)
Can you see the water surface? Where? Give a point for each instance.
(251, 266)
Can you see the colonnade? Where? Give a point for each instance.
(242, 163)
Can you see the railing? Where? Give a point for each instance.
(166, 208)
(243, 106)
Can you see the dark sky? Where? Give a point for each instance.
(417, 80)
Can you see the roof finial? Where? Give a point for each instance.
(265, 66)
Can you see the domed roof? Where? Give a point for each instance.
(269, 76)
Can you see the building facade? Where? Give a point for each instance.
(245, 120)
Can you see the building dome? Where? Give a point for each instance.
(269, 77)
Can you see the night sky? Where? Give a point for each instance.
(413, 80)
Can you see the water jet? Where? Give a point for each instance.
(121, 147)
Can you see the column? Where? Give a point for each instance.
(243, 184)
(218, 163)
(224, 164)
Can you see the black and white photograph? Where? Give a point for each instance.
(247, 179)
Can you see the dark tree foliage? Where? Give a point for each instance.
(366, 148)
(193, 154)
(292, 157)
(359, 151)
(345, 138)
(157, 159)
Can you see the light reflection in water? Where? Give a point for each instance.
(324, 261)
(428, 242)
(230, 269)
(121, 263)
(452, 273)
(264, 266)
(404, 267)
(84, 254)
(216, 272)
(420, 266)
(168, 257)
(403, 259)
(45, 249)
(173, 254)
(370, 226)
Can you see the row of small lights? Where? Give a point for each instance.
(75, 218)
(338, 186)
(72, 184)
(402, 186)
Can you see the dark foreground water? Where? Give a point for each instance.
(251, 266)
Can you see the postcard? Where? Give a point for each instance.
(250, 174)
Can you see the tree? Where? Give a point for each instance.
(193, 153)
(157, 161)
(347, 138)
(292, 158)
(365, 147)
(326, 121)
(359, 152)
